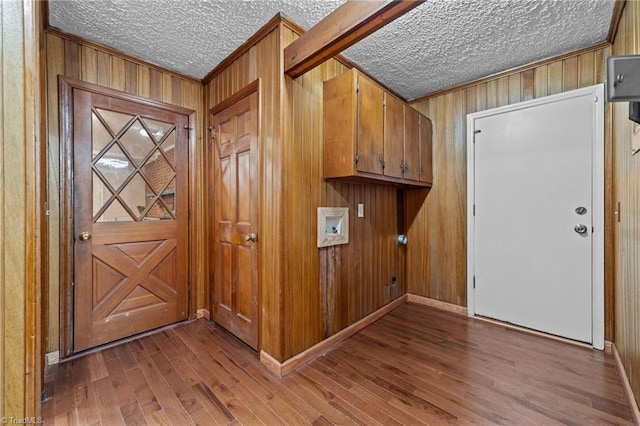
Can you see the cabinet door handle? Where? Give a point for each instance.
(381, 158)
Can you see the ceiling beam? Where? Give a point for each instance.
(344, 27)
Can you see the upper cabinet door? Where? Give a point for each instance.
(411, 144)
(393, 136)
(370, 127)
(426, 147)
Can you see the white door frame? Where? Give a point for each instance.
(597, 93)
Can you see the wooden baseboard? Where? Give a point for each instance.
(203, 313)
(608, 347)
(52, 358)
(635, 412)
(444, 306)
(281, 369)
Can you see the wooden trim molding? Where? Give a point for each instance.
(65, 96)
(203, 313)
(35, 185)
(608, 347)
(345, 26)
(281, 369)
(444, 306)
(115, 52)
(633, 404)
(616, 16)
(514, 70)
(254, 86)
(244, 47)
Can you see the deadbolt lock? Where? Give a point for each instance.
(580, 229)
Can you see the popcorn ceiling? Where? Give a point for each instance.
(437, 45)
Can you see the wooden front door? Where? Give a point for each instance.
(235, 300)
(130, 218)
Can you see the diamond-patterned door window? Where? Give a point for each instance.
(160, 171)
(133, 168)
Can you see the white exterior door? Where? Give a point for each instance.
(536, 212)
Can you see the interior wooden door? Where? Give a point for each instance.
(235, 301)
(130, 218)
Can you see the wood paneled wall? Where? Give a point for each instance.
(627, 229)
(21, 210)
(298, 281)
(88, 62)
(436, 254)
(262, 61)
(329, 289)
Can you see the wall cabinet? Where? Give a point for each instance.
(371, 135)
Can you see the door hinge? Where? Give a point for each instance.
(474, 209)
(188, 129)
(474, 281)
(357, 158)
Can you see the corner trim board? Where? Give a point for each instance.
(626, 386)
(53, 358)
(616, 16)
(281, 369)
(203, 313)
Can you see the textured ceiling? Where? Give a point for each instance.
(437, 45)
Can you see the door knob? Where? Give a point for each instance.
(251, 237)
(580, 229)
(84, 236)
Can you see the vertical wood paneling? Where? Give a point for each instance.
(436, 254)
(527, 85)
(20, 210)
(263, 61)
(627, 229)
(118, 75)
(357, 276)
(87, 63)
(361, 271)
(555, 77)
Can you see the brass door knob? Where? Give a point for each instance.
(251, 237)
(84, 236)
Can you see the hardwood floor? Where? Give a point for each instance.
(416, 365)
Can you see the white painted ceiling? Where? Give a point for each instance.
(439, 44)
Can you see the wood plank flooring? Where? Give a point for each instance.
(417, 365)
